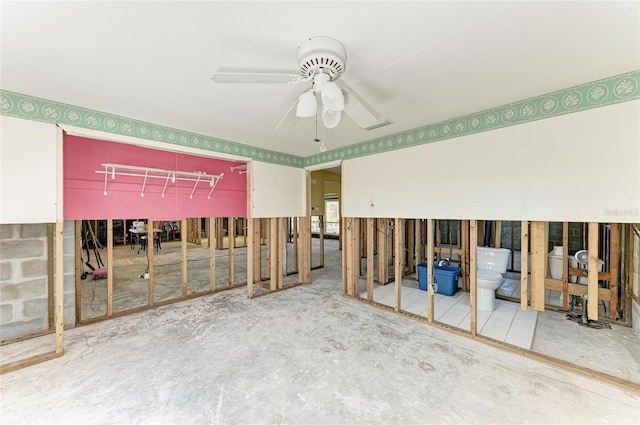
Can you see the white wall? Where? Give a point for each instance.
(583, 166)
(277, 191)
(27, 171)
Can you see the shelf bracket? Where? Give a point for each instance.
(194, 187)
(144, 183)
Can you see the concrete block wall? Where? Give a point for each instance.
(24, 306)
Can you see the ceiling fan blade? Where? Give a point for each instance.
(359, 110)
(255, 78)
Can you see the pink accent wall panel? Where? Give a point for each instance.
(84, 188)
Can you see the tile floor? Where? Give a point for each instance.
(506, 323)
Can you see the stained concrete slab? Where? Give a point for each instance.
(304, 355)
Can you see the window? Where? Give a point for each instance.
(332, 217)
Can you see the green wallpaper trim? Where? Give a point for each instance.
(620, 88)
(599, 93)
(36, 109)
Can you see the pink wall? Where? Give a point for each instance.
(83, 187)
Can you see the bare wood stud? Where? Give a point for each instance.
(565, 265)
(370, 233)
(613, 270)
(592, 288)
(109, 267)
(398, 236)
(473, 243)
(430, 260)
(524, 265)
(59, 287)
(232, 243)
(183, 239)
(250, 240)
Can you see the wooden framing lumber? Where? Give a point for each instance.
(370, 255)
(430, 268)
(565, 266)
(410, 235)
(110, 267)
(383, 253)
(613, 270)
(497, 234)
(538, 270)
(343, 243)
(356, 256)
(347, 255)
(304, 246)
(250, 239)
(78, 268)
(50, 278)
(592, 270)
(321, 237)
(473, 306)
(465, 255)
(212, 253)
(295, 238)
(151, 256)
(398, 261)
(232, 242)
(273, 254)
(183, 240)
(59, 287)
(282, 250)
(419, 241)
(524, 265)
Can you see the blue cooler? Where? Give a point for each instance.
(446, 278)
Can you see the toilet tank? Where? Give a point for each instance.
(495, 259)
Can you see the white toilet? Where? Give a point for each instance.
(491, 263)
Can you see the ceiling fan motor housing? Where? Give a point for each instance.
(322, 53)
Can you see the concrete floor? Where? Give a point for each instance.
(304, 355)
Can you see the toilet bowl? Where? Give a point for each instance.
(491, 263)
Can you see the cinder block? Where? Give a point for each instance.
(70, 283)
(22, 328)
(38, 230)
(69, 245)
(6, 313)
(69, 263)
(28, 248)
(26, 290)
(36, 308)
(5, 270)
(7, 231)
(34, 268)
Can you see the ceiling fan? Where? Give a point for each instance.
(321, 62)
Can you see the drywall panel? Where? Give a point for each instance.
(583, 166)
(27, 171)
(277, 191)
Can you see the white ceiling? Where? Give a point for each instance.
(415, 62)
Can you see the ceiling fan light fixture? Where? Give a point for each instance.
(330, 118)
(307, 105)
(332, 96)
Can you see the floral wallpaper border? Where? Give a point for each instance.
(620, 88)
(599, 93)
(22, 106)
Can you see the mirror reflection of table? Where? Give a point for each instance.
(140, 236)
